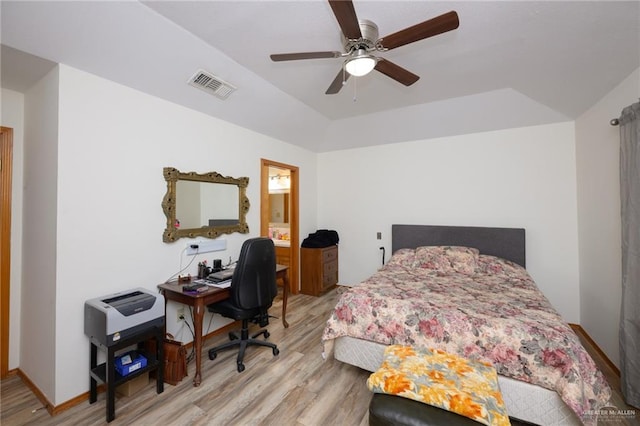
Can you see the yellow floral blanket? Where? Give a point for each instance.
(444, 380)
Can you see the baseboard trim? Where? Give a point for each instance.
(57, 409)
(43, 399)
(577, 328)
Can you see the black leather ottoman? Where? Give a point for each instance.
(391, 410)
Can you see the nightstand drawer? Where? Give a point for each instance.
(329, 281)
(331, 269)
(330, 254)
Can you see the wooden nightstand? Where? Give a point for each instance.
(318, 269)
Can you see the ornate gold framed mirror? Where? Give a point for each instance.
(204, 205)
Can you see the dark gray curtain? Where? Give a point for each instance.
(630, 210)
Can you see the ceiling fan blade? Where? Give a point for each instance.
(337, 82)
(304, 55)
(438, 25)
(347, 18)
(396, 72)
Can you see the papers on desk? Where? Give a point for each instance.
(210, 283)
(221, 284)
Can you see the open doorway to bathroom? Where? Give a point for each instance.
(279, 214)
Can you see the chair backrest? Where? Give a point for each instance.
(254, 280)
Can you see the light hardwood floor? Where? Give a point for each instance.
(297, 387)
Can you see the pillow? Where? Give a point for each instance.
(444, 380)
(496, 265)
(403, 257)
(447, 259)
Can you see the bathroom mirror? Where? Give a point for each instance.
(279, 208)
(204, 205)
(279, 203)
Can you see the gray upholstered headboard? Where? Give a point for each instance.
(507, 243)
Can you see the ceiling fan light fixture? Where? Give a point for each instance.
(360, 36)
(361, 64)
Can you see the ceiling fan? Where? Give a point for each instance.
(360, 39)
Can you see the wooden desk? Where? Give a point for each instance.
(282, 273)
(173, 291)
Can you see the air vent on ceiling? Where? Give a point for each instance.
(211, 84)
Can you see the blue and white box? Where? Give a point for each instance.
(130, 362)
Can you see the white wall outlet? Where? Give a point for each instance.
(180, 314)
(205, 246)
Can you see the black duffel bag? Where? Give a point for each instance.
(321, 238)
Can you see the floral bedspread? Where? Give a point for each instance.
(490, 311)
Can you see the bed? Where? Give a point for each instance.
(464, 290)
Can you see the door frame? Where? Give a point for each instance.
(294, 218)
(6, 170)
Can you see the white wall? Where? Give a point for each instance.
(38, 338)
(521, 177)
(105, 222)
(12, 115)
(107, 183)
(598, 171)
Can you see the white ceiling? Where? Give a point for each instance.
(509, 64)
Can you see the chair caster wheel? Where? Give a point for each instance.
(266, 334)
(276, 351)
(240, 368)
(232, 336)
(212, 355)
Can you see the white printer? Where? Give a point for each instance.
(108, 319)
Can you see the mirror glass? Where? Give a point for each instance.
(204, 205)
(201, 204)
(279, 188)
(279, 206)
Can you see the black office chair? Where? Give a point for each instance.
(253, 288)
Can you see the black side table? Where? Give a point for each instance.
(107, 374)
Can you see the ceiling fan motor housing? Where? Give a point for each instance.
(368, 40)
